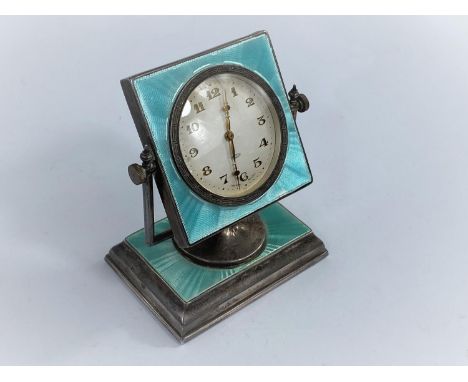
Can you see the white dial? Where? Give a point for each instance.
(229, 135)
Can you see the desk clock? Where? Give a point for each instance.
(220, 141)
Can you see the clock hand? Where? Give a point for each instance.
(229, 135)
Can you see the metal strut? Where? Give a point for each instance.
(143, 174)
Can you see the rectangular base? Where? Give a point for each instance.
(187, 311)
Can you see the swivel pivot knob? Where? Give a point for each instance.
(297, 101)
(137, 174)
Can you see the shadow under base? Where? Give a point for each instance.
(189, 298)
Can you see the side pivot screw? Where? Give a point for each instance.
(139, 173)
(298, 101)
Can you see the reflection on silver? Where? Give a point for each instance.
(187, 109)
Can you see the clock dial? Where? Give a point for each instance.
(230, 135)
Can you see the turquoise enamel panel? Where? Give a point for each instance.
(188, 279)
(157, 92)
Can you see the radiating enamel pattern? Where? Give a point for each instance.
(188, 279)
(157, 93)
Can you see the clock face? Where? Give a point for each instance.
(228, 135)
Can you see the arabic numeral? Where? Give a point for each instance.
(224, 177)
(261, 120)
(250, 102)
(213, 93)
(193, 152)
(206, 170)
(257, 162)
(199, 107)
(243, 177)
(192, 128)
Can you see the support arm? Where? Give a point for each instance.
(143, 174)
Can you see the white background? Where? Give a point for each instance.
(387, 140)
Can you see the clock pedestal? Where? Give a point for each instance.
(240, 242)
(188, 297)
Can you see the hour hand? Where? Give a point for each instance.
(229, 135)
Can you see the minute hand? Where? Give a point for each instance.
(230, 138)
(229, 135)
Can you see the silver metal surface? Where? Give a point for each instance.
(234, 245)
(187, 319)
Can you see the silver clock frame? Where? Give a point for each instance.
(155, 170)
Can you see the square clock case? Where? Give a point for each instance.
(221, 143)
